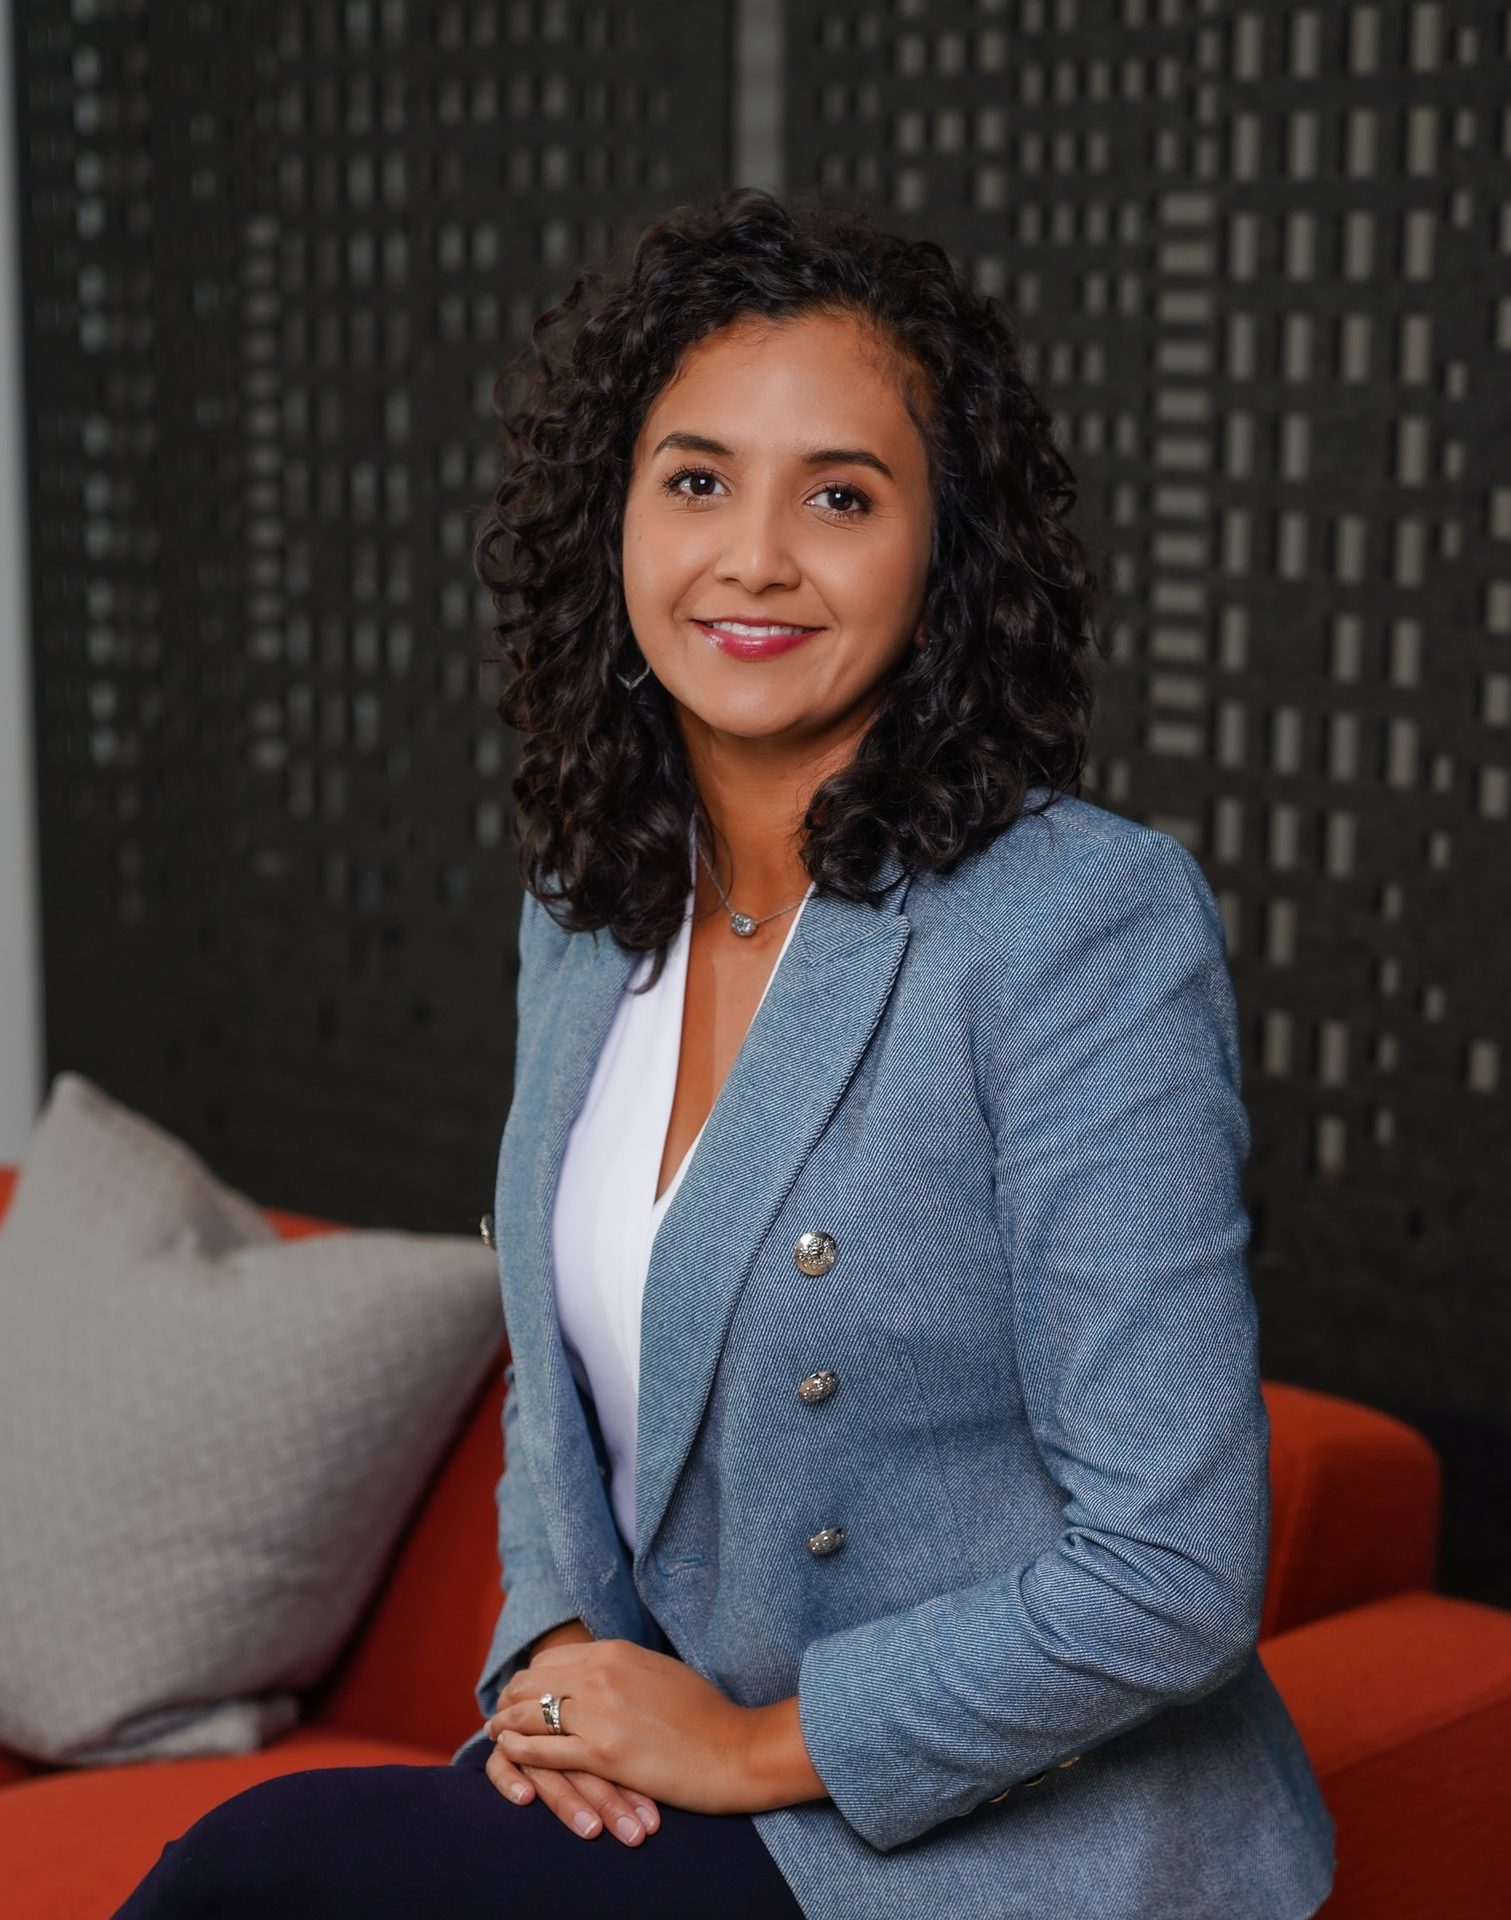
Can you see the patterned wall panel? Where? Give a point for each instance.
(1261, 256)
(273, 258)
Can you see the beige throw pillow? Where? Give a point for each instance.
(210, 1438)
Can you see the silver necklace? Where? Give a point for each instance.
(741, 923)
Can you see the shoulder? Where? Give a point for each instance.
(541, 945)
(539, 932)
(1072, 872)
(1080, 937)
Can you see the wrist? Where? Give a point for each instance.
(776, 1769)
(568, 1630)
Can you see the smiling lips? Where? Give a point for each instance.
(755, 639)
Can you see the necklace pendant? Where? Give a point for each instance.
(742, 924)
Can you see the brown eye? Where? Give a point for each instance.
(862, 502)
(859, 499)
(673, 482)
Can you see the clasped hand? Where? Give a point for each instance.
(645, 1720)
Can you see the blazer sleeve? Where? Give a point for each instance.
(1120, 1138)
(534, 1597)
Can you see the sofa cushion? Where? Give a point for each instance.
(1355, 1503)
(410, 1669)
(74, 1844)
(210, 1437)
(1404, 1707)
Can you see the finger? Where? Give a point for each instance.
(617, 1813)
(508, 1778)
(553, 1752)
(564, 1800)
(523, 1715)
(645, 1808)
(560, 1797)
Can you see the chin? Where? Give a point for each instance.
(756, 717)
(745, 724)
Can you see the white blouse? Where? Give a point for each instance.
(606, 1214)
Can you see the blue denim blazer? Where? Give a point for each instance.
(1027, 1676)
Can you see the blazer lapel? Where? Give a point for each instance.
(808, 1036)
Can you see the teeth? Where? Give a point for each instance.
(757, 633)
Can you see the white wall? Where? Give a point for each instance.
(20, 942)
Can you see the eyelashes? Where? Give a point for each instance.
(672, 484)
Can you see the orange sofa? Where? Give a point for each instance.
(1402, 1695)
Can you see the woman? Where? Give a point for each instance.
(886, 1502)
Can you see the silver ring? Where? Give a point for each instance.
(550, 1706)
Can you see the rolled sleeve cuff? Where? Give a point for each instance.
(885, 1780)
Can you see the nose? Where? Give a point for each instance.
(757, 552)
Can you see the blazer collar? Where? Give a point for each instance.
(824, 1002)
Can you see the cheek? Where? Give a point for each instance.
(875, 585)
(656, 572)
(876, 611)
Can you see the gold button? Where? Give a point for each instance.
(818, 1386)
(827, 1540)
(1071, 1761)
(485, 1228)
(814, 1252)
(1001, 1796)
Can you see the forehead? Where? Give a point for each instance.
(820, 371)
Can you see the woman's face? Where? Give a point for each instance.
(778, 481)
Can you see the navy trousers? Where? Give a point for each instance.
(408, 1842)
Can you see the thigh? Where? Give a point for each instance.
(390, 1842)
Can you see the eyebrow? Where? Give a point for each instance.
(818, 457)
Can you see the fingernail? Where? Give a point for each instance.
(626, 1828)
(517, 1795)
(585, 1822)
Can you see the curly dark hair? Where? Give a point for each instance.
(998, 701)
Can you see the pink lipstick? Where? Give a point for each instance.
(756, 640)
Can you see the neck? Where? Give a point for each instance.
(755, 799)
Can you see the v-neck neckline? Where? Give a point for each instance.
(662, 1201)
